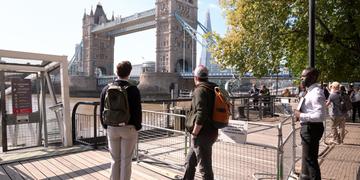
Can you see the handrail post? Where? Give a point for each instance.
(280, 154)
(260, 107)
(95, 126)
(248, 109)
(186, 144)
(294, 143)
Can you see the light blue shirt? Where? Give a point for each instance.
(313, 108)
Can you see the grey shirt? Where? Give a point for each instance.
(334, 108)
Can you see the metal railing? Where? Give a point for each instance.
(86, 128)
(269, 151)
(163, 138)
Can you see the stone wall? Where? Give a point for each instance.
(156, 85)
(83, 86)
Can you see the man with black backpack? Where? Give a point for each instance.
(120, 114)
(199, 124)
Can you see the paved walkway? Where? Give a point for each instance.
(342, 162)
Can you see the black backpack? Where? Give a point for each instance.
(116, 106)
(345, 103)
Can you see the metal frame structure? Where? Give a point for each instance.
(51, 62)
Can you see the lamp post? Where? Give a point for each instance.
(312, 33)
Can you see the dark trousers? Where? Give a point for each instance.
(356, 107)
(310, 137)
(200, 153)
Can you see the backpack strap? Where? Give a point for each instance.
(124, 86)
(216, 90)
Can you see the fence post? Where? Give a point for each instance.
(186, 144)
(95, 126)
(248, 109)
(280, 154)
(260, 107)
(294, 143)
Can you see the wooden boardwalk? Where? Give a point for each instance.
(90, 164)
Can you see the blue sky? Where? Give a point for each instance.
(54, 27)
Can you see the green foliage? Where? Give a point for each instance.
(262, 33)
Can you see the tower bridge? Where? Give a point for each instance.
(121, 26)
(175, 48)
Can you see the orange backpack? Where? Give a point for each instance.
(221, 111)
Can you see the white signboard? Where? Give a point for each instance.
(235, 132)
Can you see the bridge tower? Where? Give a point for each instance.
(98, 48)
(175, 49)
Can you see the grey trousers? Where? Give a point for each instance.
(200, 153)
(122, 142)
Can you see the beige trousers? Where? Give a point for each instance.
(122, 142)
(338, 122)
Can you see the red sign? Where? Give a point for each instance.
(21, 96)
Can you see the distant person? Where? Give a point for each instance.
(336, 115)
(346, 98)
(254, 93)
(199, 124)
(311, 116)
(350, 89)
(286, 93)
(325, 89)
(264, 91)
(122, 137)
(355, 101)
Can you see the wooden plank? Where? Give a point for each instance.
(54, 168)
(45, 170)
(64, 169)
(23, 171)
(79, 164)
(80, 172)
(96, 160)
(11, 171)
(104, 154)
(99, 156)
(138, 172)
(91, 164)
(3, 174)
(33, 170)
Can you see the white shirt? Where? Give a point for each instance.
(313, 109)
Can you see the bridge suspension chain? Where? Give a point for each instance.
(194, 33)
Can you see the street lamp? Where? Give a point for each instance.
(312, 33)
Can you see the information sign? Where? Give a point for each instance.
(235, 132)
(21, 96)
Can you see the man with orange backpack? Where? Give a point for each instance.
(199, 124)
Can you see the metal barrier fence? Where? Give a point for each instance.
(162, 138)
(86, 128)
(266, 154)
(269, 151)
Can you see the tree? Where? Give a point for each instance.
(261, 34)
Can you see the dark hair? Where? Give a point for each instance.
(342, 88)
(123, 69)
(313, 72)
(205, 79)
